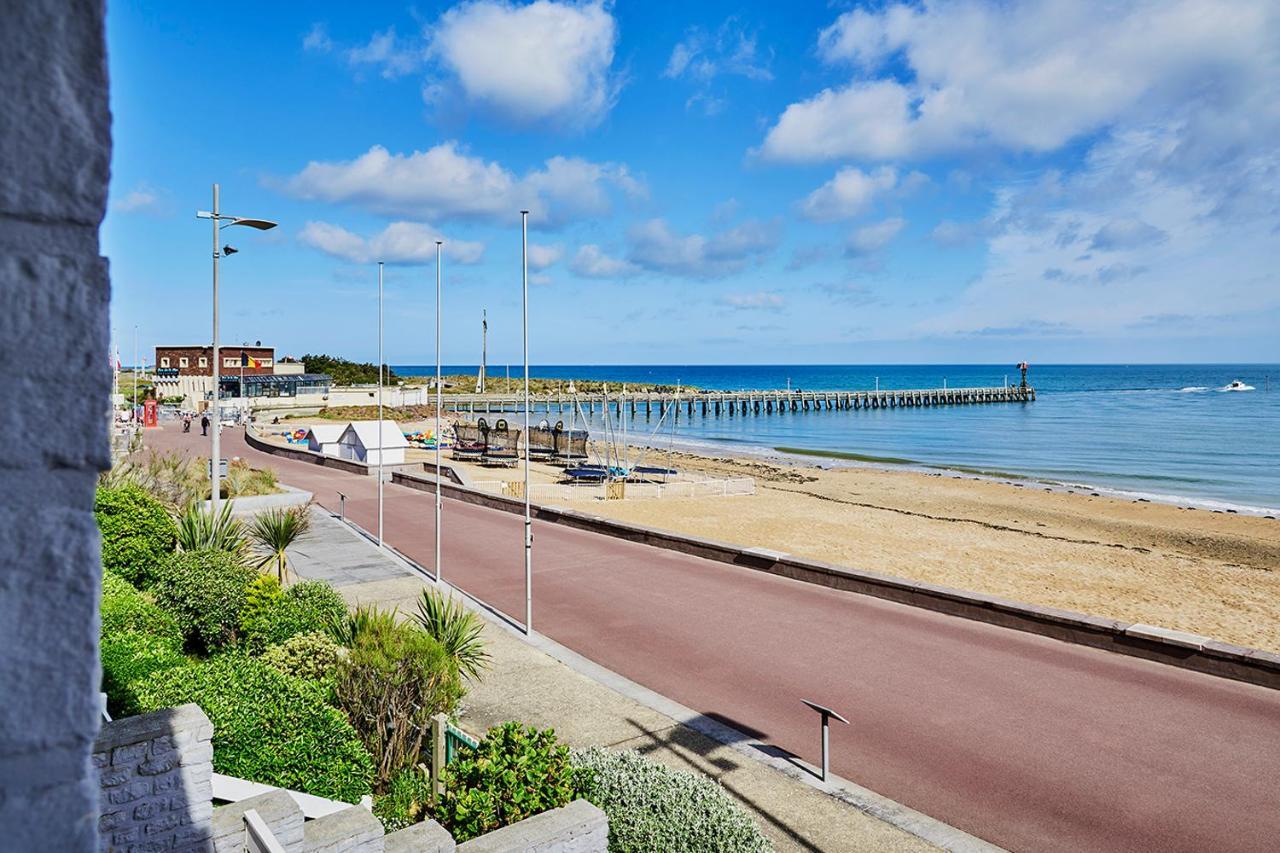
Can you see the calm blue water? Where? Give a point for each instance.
(1133, 428)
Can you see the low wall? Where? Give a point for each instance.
(576, 828)
(155, 774)
(349, 465)
(287, 497)
(1176, 648)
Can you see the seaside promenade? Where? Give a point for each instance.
(1024, 741)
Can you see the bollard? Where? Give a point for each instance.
(827, 714)
(342, 506)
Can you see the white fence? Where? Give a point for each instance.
(553, 492)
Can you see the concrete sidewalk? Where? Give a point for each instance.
(529, 684)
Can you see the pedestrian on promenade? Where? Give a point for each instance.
(204, 424)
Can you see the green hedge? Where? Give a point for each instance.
(125, 608)
(653, 807)
(267, 727)
(127, 659)
(205, 591)
(304, 607)
(137, 532)
(515, 773)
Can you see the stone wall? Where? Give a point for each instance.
(576, 828)
(55, 147)
(156, 777)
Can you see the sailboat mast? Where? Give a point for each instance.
(484, 348)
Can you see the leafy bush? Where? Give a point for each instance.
(516, 772)
(457, 629)
(306, 606)
(200, 530)
(653, 807)
(263, 592)
(407, 800)
(393, 680)
(137, 532)
(130, 656)
(344, 629)
(205, 591)
(267, 727)
(312, 656)
(125, 608)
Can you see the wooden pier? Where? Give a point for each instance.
(735, 403)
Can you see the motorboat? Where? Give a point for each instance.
(1236, 385)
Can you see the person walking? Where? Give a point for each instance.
(204, 424)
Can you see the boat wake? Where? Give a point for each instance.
(1193, 389)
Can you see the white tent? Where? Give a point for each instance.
(323, 438)
(359, 441)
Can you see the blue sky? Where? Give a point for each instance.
(713, 182)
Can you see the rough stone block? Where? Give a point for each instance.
(425, 837)
(278, 811)
(578, 827)
(352, 830)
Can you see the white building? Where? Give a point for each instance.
(359, 441)
(324, 438)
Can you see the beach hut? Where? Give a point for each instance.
(323, 438)
(359, 441)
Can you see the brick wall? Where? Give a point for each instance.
(156, 777)
(226, 350)
(55, 147)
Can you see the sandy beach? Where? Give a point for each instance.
(1216, 574)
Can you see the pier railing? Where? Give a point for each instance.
(732, 403)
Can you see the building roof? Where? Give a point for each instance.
(326, 433)
(367, 433)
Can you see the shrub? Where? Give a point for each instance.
(137, 532)
(653, 807)
(393, 680)
(457, 629)
(205, 591)
(407, 800)
(200, 530)
(273, 531)
(267, 727)
(304, 607)
(130, 656)
(126, 609)
(263, 592)
(515, 773)
(312, 656)
(344, 629)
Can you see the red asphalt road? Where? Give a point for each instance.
(1027, 742)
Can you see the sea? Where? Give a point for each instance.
(1160, 432)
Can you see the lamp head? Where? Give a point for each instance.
(229, 250)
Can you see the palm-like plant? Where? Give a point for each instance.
(273, 531)
(363, 618)
(457, 629)
(200, 530)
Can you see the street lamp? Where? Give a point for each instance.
(528, 522)
(221, 220)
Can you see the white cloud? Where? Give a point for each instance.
(445, 182)
(591, 262)
(541, 61)
(760, 300)
(1126, 233)
(654, 246)
(398, 243)
(872, 238)
(848, 194)
(143, 198)
(317, 39)
(395, 57)
(703, 56)
(541, 257)
(1029, 76)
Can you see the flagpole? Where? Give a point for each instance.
(528, 523)
(439, 403)
(380, 545)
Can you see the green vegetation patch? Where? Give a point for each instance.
(204, 591)
(137, 532)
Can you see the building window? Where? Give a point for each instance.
(264, 362)
(230, 362)
(164, 362)
(182, 362)
(204, 362)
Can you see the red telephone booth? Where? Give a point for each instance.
(150, 413)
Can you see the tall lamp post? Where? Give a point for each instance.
(439, 404)
(528, 522)
(380, 442)
(221, 220)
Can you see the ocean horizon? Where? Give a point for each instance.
(1165, 432)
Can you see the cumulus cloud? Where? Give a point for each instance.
(1029, 76)
(317, 39)
(870, 239)
(592, 262)
(542, 61)
(392, 56)
(446, 182)
(760, 300)
(655, 247)
(848, 194)
(541, 257)
(143, 198)
(398, 243)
